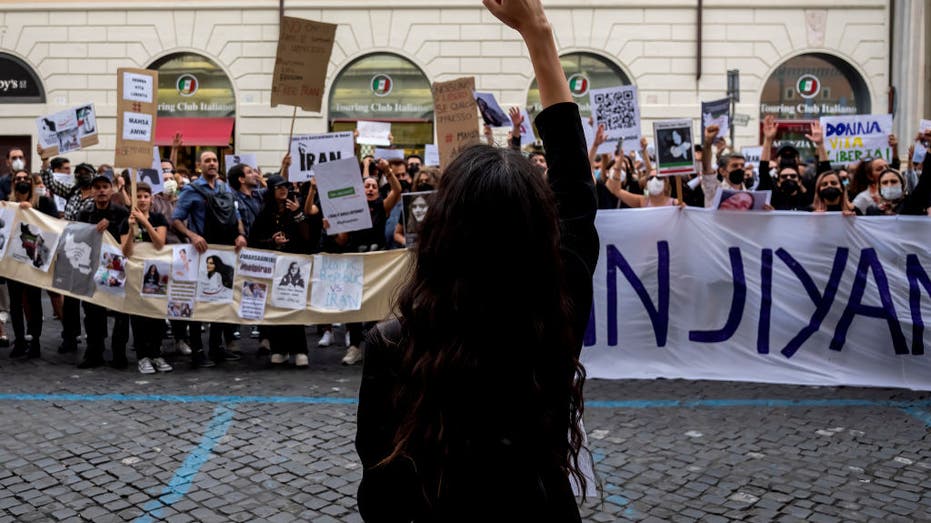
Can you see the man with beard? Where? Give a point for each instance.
(190, 220)
(730, 168)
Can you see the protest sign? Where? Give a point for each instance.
(252, 300)
(414, 209)
(609, 147)
(155, 276)
(311, 149)
(752, 154)
(156, 159)
(491, 112)
(924, 125)
(256, 264)
(153, 177)
(111, 271)
(373, 133)
(526, 129)
(388, 154)
(34, 246)
(729, 200)
(674, 151)
(215, 276)
(304, 49)
(618, 110)
(181, 299)
(337, 283)
(240, 158)
(342, 197)
(289, 286)
(184, 261)
(717, 113)
(852, 138)
(920, 151)
(77, 259)
(456, 117)
(68, 130)
(7, 214)
(136, 111)
(431, 155)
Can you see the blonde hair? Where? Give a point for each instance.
(818, 205)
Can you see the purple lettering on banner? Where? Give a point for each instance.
(659, 314)
(822, 303)
(766, 301)
(869, 261)
(591, 336)
(916, 275)
(737, 305)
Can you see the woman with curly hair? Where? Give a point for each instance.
(463, 424)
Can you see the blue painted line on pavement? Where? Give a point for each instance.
(920, 414)
(598, 404)
(184, 477)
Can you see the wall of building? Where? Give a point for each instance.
(77, 47)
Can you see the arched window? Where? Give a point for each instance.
(18, 82)
(585, 71)
(809, 86)
(384, 87)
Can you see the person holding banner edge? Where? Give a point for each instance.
(504, 451)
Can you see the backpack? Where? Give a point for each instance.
(220, 222)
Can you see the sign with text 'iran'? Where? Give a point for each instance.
(314, 149)
(852, 138)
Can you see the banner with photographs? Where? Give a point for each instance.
(68, 130)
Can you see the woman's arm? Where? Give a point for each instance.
(399, 235)
(644, 153)
(395, 195)
(630, 199)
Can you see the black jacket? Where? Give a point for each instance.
(496, 482)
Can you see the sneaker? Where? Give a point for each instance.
(301, 360)
(254, 334)
(353, 355)
(326, 340)
(161, 365)
(145, 366)
(236, 334)
(278, 359)
(201, 360)
(348, 342)
(182, 347)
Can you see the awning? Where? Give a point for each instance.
(194, 131)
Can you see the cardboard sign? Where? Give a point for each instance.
(373, 133)
(312, 149)
(618, 110)
(852, 138)
(717, 113)
(304, 49)
(68, 130)
(674, 147)
(342, 197)
(456, 117)
(136, 111)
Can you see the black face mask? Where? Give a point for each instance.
(736, 177)
(789, 186)
(413, 169)
(23, 187)
(830, 193)
(405, 186)
(425, 187)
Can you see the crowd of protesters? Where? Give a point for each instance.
(273, 213)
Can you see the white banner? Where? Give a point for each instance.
(778, 297)
(313, 149)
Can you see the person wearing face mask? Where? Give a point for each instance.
(831, 195)
(15, 161)
(656, 195)
(893, 197)
(790, 192)
(733, 170)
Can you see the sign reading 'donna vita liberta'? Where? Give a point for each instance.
(136, 111)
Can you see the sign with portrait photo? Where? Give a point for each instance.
(289, 286)
(674, 148)
(415, 206)
(491, 112)
(730, 200)
(215, 276)
(68, 130)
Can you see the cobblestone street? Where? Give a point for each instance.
(246, 442)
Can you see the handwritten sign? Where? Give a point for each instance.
(456, 117)
(136, 111)
(852, 138)
(304, 49)
(337, 283)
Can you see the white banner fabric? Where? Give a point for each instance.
(778, 297)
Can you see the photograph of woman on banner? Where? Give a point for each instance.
(831, 195)
(415, 207)
(183, 263)
(219, 277)
(736, 201)
(155, 278)
(86, 120)
(293, 277)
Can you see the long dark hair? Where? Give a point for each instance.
(226, 272)
(485, 323)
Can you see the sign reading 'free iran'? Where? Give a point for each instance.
(304, 49)
(852, 138)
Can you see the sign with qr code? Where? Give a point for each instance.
(617, 109)
(675, 153)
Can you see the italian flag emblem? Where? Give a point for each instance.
(578, 84)
(187, 85)
(381, 85)
(808, 86)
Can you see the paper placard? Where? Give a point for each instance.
(526, 129)
(456, 117)
(337, 283)
(342, 197)
(289, 286)
(34, 246)
(674, 149)
(310, 150)
(388, 154)
(153, 177)
(752, 154)
(240, 158)
(215, 276)
(256, 264)
(373, 133)
(852, 138)
(618, 109)
(252, 300)
(491, 112)
(184, 262)
(68, 130)
(431, 155)
(7, 215)
(716, 112)
(608, 147)
(415, 206)
(729, 200)
(155, 277)
(136, 111)
(77, 259)
(181, 300)
(304, 49)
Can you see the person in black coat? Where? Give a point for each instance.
(463, 424)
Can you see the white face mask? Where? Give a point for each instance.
(40, 191)
(891, 193)
(18, 164)
(655, 187)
